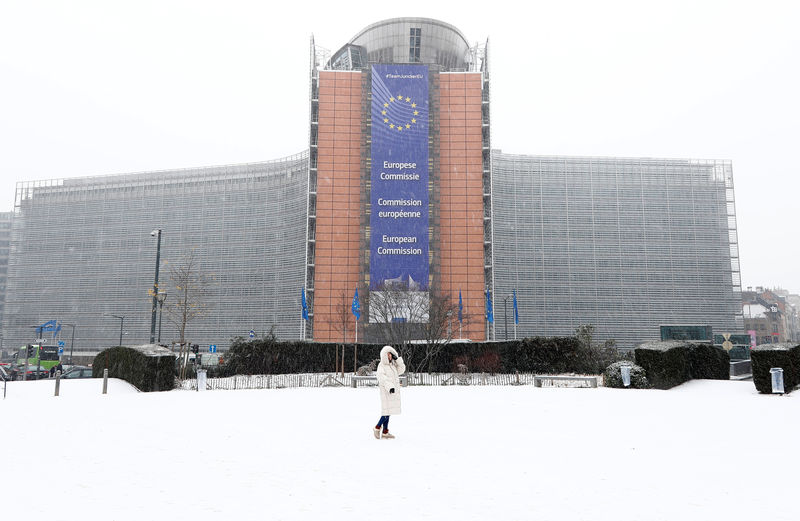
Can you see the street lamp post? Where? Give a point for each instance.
(121, 322)
(72, 342)
(162, 296)
(155, 233)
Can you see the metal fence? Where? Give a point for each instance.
(283, 381)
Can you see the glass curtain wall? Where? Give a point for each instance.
(82, 250)
(623, 244)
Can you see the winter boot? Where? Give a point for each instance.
(377, 433)
(387, 435)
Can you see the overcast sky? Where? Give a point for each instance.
(89, 88)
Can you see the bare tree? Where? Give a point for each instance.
(441, 327)
(400, 317)
(191, 290)
(340, 321)
(396, 317)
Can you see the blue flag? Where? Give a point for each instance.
(305, 306)
(50, 325)
(516, 311)
(356, 306)
(460, 307)
(489, 312)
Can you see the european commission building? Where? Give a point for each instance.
(400, 186)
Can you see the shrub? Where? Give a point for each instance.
(488, 362)
(665, 363)
(461, 361)
(612, 376)
(148, 367)
(766, 356)
(709, 362)
(270, 356)
(529, 355)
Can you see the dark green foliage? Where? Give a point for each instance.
(148, 368)
(766, 356)
(530, 355)
(270, 356)
(665, 363)
(709, 362)
(612, 377)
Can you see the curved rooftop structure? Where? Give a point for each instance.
(406, 40)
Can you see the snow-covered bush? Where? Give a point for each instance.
(148, 367)
(709, 362)
(665, 363)
(766, 356)
(612, 377)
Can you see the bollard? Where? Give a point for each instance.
(58, 381)
(777, 380)
(105, 381)
(625, 371)
(201, 380)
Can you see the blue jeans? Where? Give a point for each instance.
(383, 422)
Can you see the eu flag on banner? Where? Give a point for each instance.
(305, 306)
(489, 312)
(460, 307)
(516, 311)
(356, 306)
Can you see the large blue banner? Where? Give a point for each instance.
(399, 194)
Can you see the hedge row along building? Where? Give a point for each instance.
(399, 187)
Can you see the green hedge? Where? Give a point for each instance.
(665, 363)
(766, 356)
(148, 368)
(709, 362)
(529, 355)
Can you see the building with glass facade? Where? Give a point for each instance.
(82, 252)
(624, 244)
(399, 187)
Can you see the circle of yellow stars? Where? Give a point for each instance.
(399, 126)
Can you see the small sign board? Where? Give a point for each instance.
(209, 360)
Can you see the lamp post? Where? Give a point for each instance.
(155, 233)
(162, 296)
(72, 342)
(121, 322)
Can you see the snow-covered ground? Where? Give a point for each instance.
(703, 451)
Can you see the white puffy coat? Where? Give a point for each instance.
(388, 374)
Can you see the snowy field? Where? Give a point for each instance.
(703, 451)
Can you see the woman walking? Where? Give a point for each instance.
(389, 370)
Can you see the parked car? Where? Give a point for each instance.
(34, 373)
(78, 371)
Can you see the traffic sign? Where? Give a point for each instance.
(61, 343)
(61, 350)
(212, 348)
(252, 334)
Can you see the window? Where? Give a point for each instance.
(415, 42)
